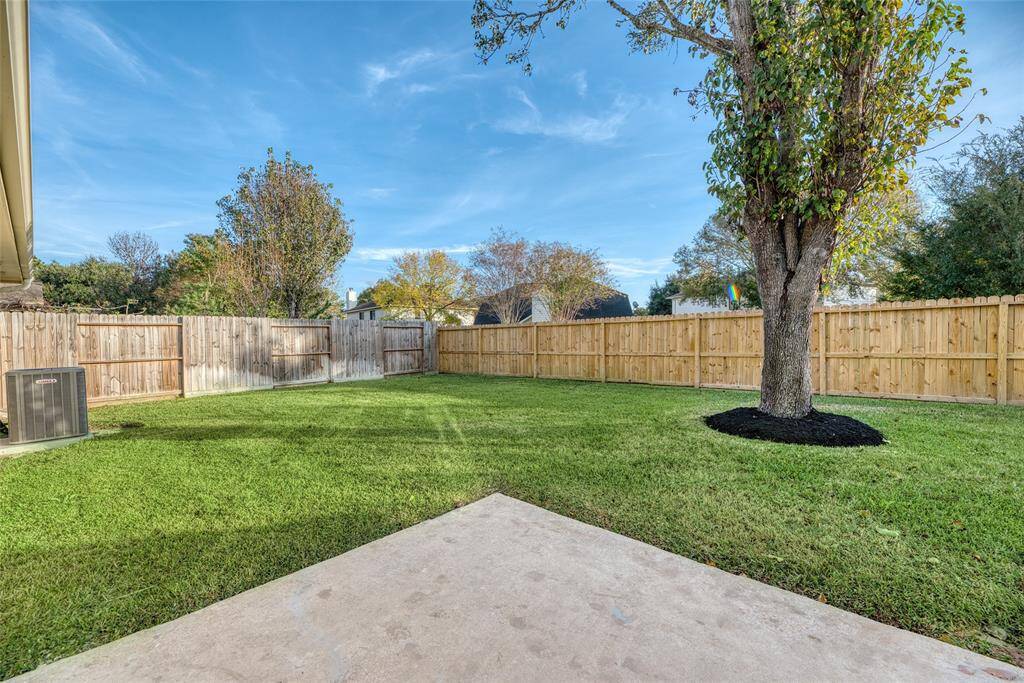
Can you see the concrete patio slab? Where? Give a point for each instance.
(503, 590)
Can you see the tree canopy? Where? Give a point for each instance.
(718, 260)
(503, 267)
(973, 244)
(658, 301)
(285, 237)
(568, 279)
(93, 284)
(430, 285)
(819, 106)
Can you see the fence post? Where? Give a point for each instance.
(604, 354)
(182, 354)
(479, 351)
(822, 357)
(535, 350)
(696, 351)
(1002, 339)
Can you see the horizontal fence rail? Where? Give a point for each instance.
(136, 357)
(967, 350)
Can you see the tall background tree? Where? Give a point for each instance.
(567, 279)
(718, 259)
(658, 300)
(819, 107)
(197, 284)
(502, 269)
(140, 255)
(286, 236)
(136, 251)
(430, 285)
(973, 244)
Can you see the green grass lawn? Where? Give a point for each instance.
(211, 496)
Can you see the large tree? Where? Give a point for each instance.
(819, 106)
(974, 244)
(285, 237)
(567, 279)
(138, 252)
(502, 271)
(430, 285)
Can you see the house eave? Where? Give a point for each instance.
(16, 216)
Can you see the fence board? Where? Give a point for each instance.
(969, 350)
(132, 357)
(404, 348)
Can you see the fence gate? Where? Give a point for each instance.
(403, 348)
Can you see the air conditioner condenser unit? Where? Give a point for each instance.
(46, 403)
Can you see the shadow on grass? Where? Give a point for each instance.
(58, 601)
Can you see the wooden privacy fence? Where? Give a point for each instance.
(968, 350)
(137, 357)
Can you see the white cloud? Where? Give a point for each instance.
(380, 192)
(520, 94)
(48, 86)
(579, 80)
(480, 202)
(626, 267)
(388, 253)
(77, 25)
(582, 128)
(174, 223)
(377, 74)
(420, 88)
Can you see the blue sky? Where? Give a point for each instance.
(143, 114)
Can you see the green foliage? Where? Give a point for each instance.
(568, 279)
(658, 301)
(819, 108)
(197, 284)
(285, 237)
(367, 295)
(93, 284)
(429, 285)
(219, 494)
(719, 258)
(793, 121)
(974, 246)
(818, 105)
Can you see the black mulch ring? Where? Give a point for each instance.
(816, 429)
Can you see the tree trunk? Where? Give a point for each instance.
(788, 278)
(786, 372)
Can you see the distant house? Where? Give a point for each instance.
(615, 305)
(840, 296)
(682, 304)
(369, 310)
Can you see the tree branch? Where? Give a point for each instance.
(676, 29)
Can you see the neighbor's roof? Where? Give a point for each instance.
(367, 306)
(15, 147)
(614, 305)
